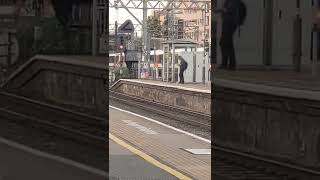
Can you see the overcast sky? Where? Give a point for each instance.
(123, 15)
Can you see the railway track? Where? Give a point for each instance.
(186, 116)
(233, 165)
(77, 126)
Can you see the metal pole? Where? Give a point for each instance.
(204, 43)
(169, 52)
(116, 37)
(154, 61)
(94, 27)
(173, 62)
(145, 32)
(173, 45)
(163, 67)
(139, 59)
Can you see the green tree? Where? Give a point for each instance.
(122, 73)
(154, 27)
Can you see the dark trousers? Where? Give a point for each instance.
(227, 49)
(181, 77)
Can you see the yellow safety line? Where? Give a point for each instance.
(148, 158)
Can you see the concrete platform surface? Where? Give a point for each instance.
(163, 143)
(124, 164)
(274, 82)
(278, 78)
(20, 162)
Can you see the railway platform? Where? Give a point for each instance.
(124, 164)
(176, 152)
(281, 78)
(259, 108)
(191, 97)
(21, 162)
(73, 82)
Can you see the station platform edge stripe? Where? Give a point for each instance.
(148, 158)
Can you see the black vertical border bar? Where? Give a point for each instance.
(213, 62)
(107, 86)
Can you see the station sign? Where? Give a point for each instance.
(133, 55)
(126, 27)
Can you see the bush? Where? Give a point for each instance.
(122, 73)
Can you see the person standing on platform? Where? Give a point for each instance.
(183, 67)
(233, 15)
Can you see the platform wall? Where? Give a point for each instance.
(186, 99)
(278, 127)
(76, 87)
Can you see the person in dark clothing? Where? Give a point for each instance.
(230, 19)
(183, 67)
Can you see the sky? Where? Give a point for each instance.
(123, 15)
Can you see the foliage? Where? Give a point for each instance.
(122, 73)
(154, 27)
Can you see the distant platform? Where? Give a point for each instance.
(198, 87)
(191, 97)
(260, 108)
(276, 82)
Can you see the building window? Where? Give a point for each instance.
(195, 21)
(201, 21)
(207, 20)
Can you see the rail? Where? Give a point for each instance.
(78, 126)
(189, 117)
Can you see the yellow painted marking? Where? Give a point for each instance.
(149, 158)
